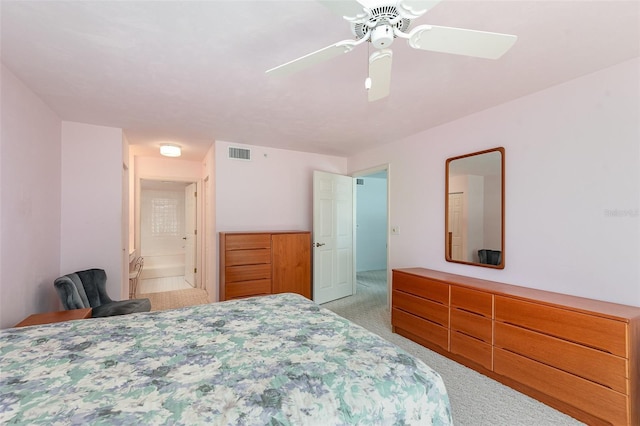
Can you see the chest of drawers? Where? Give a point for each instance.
(258, 263)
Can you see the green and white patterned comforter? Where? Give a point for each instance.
(273, 360)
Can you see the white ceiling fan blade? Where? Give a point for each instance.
(459, 41)
(412, 9)
(313, 58)
(380, 74)
(349, 9)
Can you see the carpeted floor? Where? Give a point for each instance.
(475, 399)
(175, 298)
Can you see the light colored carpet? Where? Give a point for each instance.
(175, 298)
(476, 400)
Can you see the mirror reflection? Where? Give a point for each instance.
(474, 209)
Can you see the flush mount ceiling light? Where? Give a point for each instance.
(170, 150)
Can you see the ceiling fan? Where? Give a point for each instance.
(384, 22)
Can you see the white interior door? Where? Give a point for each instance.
(190, 234)
(333, 272)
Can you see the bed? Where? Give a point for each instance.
(272, 360)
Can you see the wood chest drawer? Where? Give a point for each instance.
(474, 325)
(247, 257)
(420, 327)
(598, 366)
(247, 241)
(585, 395)
(248, 288)
(602, 333)
(247, 273)
(472, 349)
(423, 308)
(472, 300)
(423, 287)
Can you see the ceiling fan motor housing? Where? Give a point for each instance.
(382, 36)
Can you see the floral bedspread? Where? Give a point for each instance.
(273, 360)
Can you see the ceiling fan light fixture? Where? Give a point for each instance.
(170, 150)
(382, 36)
(381, 24)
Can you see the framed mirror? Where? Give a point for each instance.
(474, 209)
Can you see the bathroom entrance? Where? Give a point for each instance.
(168, 235)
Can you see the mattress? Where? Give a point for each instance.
(277, 360)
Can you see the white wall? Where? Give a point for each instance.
(91, 202)
(29, 202)
(371, 224)
(572, 187)
(168, 168)
(273, 191)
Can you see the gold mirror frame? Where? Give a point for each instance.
(483, 168)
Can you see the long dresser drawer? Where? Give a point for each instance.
(586, 395)
(247, 257)
(592, 364)
(248, 273)
(475, 301)
(248, 288)
(472, 324)
(597, 332)
(426, 309)
(420, 327)
(429, 289)
(472, 349)
(247, 241)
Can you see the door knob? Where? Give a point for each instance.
(318, 244)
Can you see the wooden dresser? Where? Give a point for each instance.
(255, 263)
(578, 355)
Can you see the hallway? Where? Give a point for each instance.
(158, 285)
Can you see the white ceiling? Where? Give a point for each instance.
(193, 72)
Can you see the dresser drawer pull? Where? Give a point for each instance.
(586, 345)
(469, 312)
(470, 336)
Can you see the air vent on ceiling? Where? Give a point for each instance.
(359, 181)
(239, 153)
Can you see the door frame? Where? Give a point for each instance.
(199, 227)
(191, 190)
(363, 173)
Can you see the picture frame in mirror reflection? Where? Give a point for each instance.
(474, 208)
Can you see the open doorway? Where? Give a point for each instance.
(372, 230)
(168, 230)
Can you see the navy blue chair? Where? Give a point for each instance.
(88, 289)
